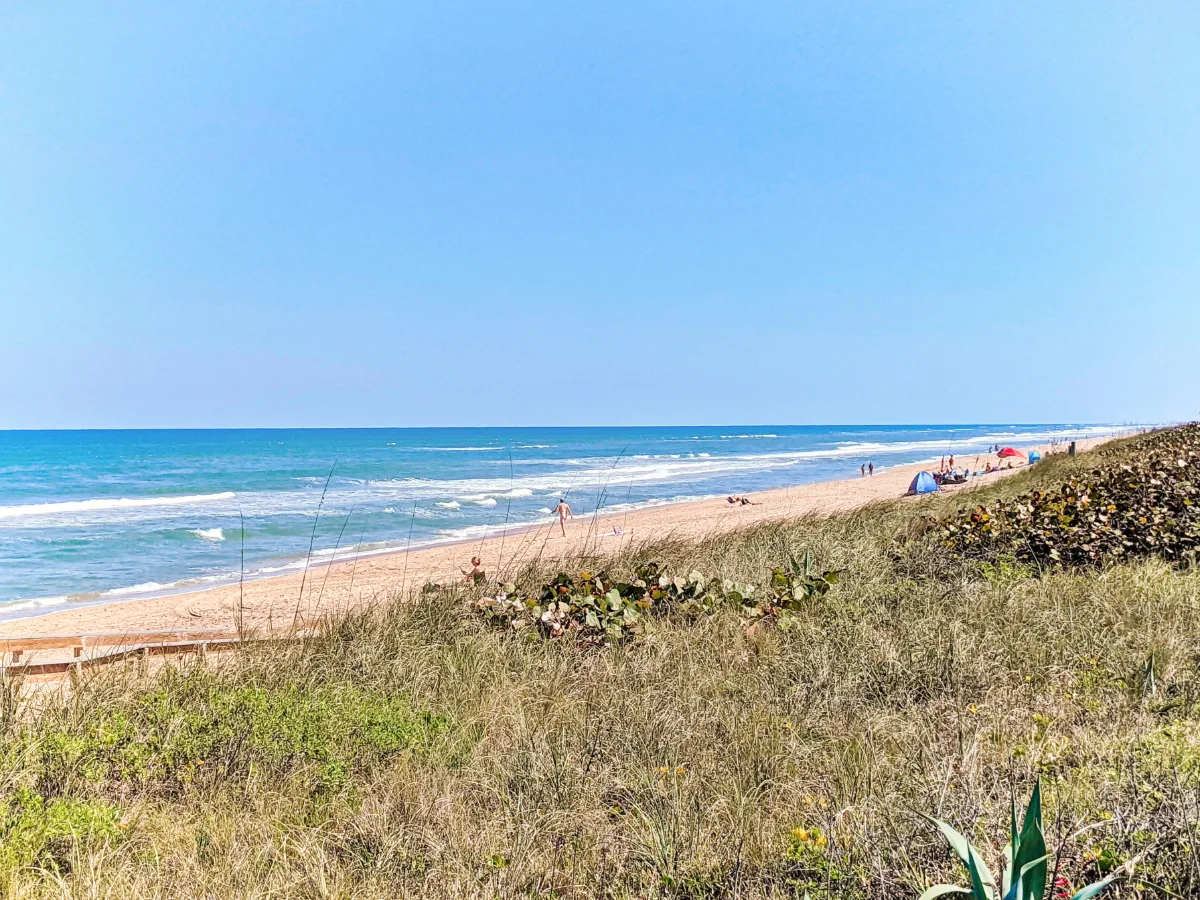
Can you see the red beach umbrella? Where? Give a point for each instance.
(1009, 451)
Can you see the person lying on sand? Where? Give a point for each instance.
(476, 573)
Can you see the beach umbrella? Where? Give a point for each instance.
(1009, 451)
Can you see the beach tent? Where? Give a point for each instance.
(1009, 451)
(923, 484)
(1034, 456)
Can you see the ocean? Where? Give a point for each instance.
(97, 516)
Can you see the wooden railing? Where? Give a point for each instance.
(121, 646)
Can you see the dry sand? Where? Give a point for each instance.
(273, 605)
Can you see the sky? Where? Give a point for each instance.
(229, 214)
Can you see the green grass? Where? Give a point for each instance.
(418, 751)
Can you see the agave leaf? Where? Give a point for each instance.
(1032, 846)
(978, 891)
(963, 850)
(1021, 883)
(1092, 890)
(1010, 853)
(940, 890)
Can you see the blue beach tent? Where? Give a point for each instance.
(1034, 456)
(923, 484)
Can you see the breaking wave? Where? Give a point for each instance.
(77, 506)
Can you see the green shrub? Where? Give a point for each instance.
(44, 833)
(189, 725)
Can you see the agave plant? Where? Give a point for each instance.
(1025, 862)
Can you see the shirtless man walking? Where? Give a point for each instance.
(564, 512)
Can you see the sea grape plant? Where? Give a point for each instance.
(1145, 503)
(1026, 863)
(597, 608)
(594, 608)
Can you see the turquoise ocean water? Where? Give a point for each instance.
(96, 516)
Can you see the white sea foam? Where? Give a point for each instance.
(146, 587)
(486, 501)
(32, 603)
(106, 503)
(209, 534)
(449, 504)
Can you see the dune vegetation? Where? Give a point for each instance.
(765, 713)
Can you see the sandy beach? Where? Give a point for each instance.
(273, 605)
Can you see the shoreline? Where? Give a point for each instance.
(187, 587)
(272, 603)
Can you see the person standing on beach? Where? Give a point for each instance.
(564, 512)
(863, 469)
(871, 469)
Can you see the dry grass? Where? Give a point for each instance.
(676, 766)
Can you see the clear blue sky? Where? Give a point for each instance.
(391, 213)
